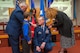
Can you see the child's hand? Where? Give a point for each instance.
(38, 49)
(43, 45)
(31, 23)
(29, 42)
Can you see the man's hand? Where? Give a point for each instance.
(29, 42)
(38, 49)
(43, 45)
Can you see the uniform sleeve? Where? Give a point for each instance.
(48, 36)
(35, 37)
(19, 16)
(25, 32)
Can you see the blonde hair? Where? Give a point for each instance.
(51, 13)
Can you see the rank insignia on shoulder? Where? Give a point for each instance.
(39, 32)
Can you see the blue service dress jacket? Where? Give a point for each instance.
(43, 35)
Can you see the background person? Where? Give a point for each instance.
(33, 24)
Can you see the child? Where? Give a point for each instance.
(42, 41)
(26, 41)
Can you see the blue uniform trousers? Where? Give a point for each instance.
(48, 47)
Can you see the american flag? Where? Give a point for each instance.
(17, 3)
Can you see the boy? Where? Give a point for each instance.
(42, 41)
(26, 41)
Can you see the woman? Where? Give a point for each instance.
(33, 24)
(65, 27)
(33, 21)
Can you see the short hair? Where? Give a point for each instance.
(22, 4)
(26, 15)
(41, 18)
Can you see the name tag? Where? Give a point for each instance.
(47, 31)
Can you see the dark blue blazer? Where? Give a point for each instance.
(14, 26)
(41, 36)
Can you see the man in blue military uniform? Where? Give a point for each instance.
(42, 41)
(14, 26)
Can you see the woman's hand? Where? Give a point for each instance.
(32, 31)
(50, 26)
(34, 25)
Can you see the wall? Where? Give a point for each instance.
(37, 5)
(66, 6)
(77, 9)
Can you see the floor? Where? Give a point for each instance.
(74, 49)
